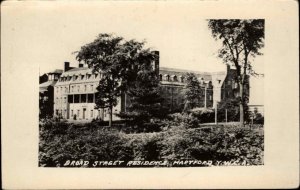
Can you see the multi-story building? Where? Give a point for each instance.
(74, 95)
(46, 92)
(74, 92)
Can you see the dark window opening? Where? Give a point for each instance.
(90, 98)
(76, 98)
(83, 98)
(70, 98)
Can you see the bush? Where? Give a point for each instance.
(60, 141)
(233, 144)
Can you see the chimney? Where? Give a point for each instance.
(67, 66)
(156, 62)
(80, 65)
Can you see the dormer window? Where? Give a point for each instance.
(174, 78)
(167, 77)
(181, 78)
(82, 77)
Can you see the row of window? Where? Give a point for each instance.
(79, 114)
(173, 78)
(80, 77)
(75, 88)
(76, 98)
(81, 98)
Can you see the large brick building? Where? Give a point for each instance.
(74, 91)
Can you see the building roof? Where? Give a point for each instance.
(43, 87)
(56, 71)
(77, 71)
(181, 72)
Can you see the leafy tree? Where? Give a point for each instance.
(192, 92)
(145, 100)
(241, 41)
(46, 103)
(118, 61)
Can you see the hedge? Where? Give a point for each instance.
(62, 141)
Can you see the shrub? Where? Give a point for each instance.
(60, 141)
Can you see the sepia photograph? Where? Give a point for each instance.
(149, 94)
(121, 105)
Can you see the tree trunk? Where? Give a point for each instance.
(241, 104)
(110, 116)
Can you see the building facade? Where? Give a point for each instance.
(74, 91)
(46, 92)
(74, 95)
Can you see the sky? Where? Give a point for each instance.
(49, 34)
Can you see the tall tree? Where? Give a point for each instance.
(118, 61)
(241, 41)
(192, 92)
(144, 96)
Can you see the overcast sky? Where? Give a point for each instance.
(49, 34)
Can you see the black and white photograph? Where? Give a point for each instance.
(146, 86)
(124, 103)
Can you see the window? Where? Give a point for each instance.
(71, 113)
(78, 88)
(82, 77)
(65, 113)
(85, 88)
(78, 112)
(65, 99)
(175, 78)
(105, 112)
(90, 98)
(92, 87)
(181, 79)
(72, 88)
(91, 113)
(70, 99)
(83, 98)
(76, 98)
(66, 89)
(56, 89)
